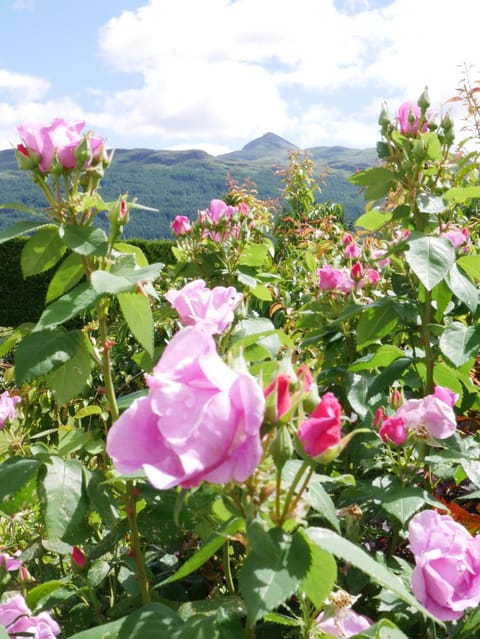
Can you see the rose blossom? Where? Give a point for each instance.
(200, 421)
(393, 429)
(281, 389)
(322, 429)
(17, 619)
(59, 138)
(7, 407)
(181, 225)
(339, 619)
(352, 251)
(334, 279)
(430, 413)
(409, 114)
(9, 563)
(219, 210)
(446, 577)
(197, 304)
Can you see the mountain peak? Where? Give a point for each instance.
(269, 142)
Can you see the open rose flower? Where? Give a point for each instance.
(446, 577)
(339, 619)
(58, 140)
(335, 279)
(9, 563)
(430, 415)
(197, 304)
(18, 621)
(200, 421)
(7, 407)
(322, 430)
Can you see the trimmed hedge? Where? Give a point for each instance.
(24, 299)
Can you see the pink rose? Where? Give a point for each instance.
(445, 395)
(322, 429)
(79, 560)
(197, 304)
(181, 225)
(280, 388)
(334, 279)
(352, 251)
(7, 407)
(9, 563)
(59, 139)
(357, 271)
(219, 210)
(200, 421)
(409, 115)
(17, 619)
(446, 577)
(372, 276)
(430, 413)
(344, 623)
(393, 429)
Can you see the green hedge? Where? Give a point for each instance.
(24, 299)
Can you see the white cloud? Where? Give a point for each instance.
(23, 5)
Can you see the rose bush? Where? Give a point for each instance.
(199, 422)
(446, 577)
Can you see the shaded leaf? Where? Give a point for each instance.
(84, 240)
(42, 251)
(137, 312)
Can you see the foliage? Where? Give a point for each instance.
(348, 368)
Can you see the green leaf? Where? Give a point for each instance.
(373, 220)
(63, 500)
(15, 473)
(459, 342)
(137, 312)
(70, 378)
(20, 332)
(403, 502)
(85, 240)
(470, 264)
(209, 548)
(321, 501)
(4, 634)
(226, 608)
(430, 258)
(376, 321)
(261, 292)
(463, 288)
(42, 591)
(76, 301)
(389, 375)
(461, 194)
(321, 576)
(378, 181)
(383, 356)
(430, 204)
(267, 580)
(42, 251)
(253, 254)
(69, 273)
(20, 228)
(140, 258)
(356, 556)
(384, 629)
(259, 331)
(42, 351)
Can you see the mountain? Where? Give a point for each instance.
(183, 182)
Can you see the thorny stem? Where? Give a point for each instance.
(131, 511)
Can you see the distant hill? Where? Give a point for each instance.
(183, 182)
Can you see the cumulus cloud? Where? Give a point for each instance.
(222, 70)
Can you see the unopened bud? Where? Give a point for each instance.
(424, 101)
(282, 447)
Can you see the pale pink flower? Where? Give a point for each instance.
(9, 563)
(199, 422)
(409, 114)
(352, 251)
(334, 279)
(17, 619)
(7, 407)
(430, 413)
(446, 577)
(197, 304)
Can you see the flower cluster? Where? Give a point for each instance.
(17, 619)
(200, 421)
(446, 577)
(430, 417)
(59, 146)
(360, 268)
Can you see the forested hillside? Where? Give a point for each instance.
(183, 182)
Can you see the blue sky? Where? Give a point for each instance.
(214, 74)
